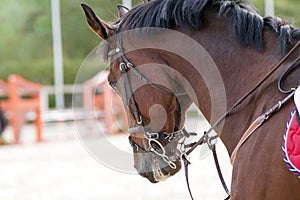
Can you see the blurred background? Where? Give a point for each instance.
(61, 165)
(26, 35)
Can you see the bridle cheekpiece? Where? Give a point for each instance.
(154, 139)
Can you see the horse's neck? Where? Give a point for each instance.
(241, 68)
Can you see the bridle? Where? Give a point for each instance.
(154, 138)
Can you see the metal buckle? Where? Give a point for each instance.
(140, 121)
(152, 136)
(129, 65)
(209, 140)
(123, 67)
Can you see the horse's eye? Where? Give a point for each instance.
(113, 85)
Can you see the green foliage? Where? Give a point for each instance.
(289, 10)
(26, 37)
(286, 9)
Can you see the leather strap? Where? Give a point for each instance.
(257, 123)
(186, 172)
(219, 170)
(285, 74)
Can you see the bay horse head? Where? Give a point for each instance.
(157, 85)
(156, 103)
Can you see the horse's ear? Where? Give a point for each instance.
(122, 10)
(100, 27)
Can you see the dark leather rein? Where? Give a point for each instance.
(153, 137)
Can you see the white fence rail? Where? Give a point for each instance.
(48, 90)
(78, 112)
(68, 113)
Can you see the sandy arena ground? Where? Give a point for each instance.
(65, 168)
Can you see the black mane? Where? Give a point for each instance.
(246, 23)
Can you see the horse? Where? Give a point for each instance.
(159, 72)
